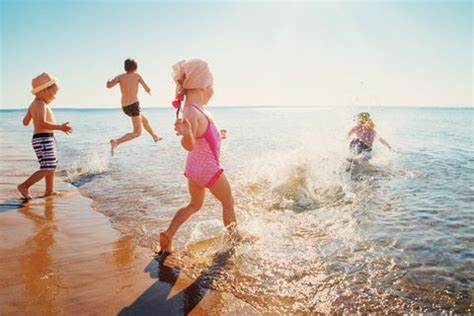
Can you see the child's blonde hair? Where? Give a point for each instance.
(364, 119)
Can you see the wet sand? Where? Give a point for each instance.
(59, 256)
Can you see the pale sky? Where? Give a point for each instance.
(261, 53)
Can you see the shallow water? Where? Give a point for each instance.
(396, 235)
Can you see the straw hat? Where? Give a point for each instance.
(42, 82)
(192, 74)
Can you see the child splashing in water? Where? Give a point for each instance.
(201, 139)
(129, 82)
(361, 146)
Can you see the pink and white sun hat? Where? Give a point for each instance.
(192, 74)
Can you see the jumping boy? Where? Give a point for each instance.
(129, 87)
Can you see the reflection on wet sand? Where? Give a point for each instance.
(36, 260)
(124, 249)
(57, 256)
(124, 259)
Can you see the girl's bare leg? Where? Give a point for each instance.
(197, 194)
(223, 192)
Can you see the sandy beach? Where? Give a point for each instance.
(59, 256)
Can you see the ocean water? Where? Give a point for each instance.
(396, 235)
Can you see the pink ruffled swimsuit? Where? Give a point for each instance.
(202, 163)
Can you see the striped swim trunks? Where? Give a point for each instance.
(44, 145)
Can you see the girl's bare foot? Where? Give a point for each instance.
(113, 146)
(165, 243)
(233, 233)
(25, 192)
(156, 138)
(50, 193)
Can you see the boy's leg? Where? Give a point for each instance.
(222, 191)
(197, 194)
(137, 130)
(147, 126)
(24, 188)
(49, 179)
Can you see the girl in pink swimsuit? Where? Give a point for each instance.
(201, 138)
(202, 163)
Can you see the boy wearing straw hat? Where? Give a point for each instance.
(45, 89)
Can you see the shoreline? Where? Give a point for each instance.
(60, 256)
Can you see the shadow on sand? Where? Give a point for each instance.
(155, 300)
(11, 205)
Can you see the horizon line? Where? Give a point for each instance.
(263, 106)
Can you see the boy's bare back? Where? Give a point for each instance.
(129, 86)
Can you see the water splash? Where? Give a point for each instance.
(85, 169)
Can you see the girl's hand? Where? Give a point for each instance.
(148, 91)
(223, 133)
(182, 127)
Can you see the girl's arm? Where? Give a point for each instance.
(144, 85)
(383, 141)
(187, 127)
(352, 131)
(27, 118)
